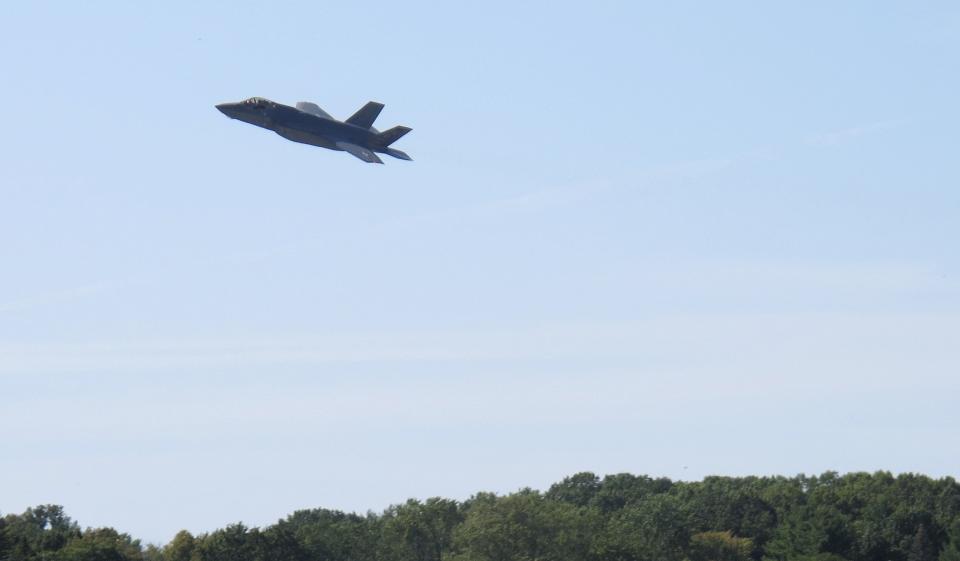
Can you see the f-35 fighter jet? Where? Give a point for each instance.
(309, 124)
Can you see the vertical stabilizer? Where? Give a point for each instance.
(367, 114)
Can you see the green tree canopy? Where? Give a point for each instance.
(621, 517)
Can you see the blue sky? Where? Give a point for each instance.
(678, 239)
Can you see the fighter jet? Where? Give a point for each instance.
(309, 124)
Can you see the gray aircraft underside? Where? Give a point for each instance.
(308, 124)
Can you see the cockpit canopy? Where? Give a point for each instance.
(258, 102)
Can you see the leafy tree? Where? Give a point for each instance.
(235, 542)
(418, 531)
(734, 504)
(810, 530)
(921, 548)
(578, 489)
(654, 529)
(39, 531)
(152, 552)
(951, 551)
(622, 489)
(181, 548)
(4, 542)
(101, 544)
(523, 527)
(719, 546)
(279, 542)
(331, 535)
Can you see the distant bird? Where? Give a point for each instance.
(308, 124)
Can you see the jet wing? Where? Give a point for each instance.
(364, 154)
(366, 115)
(313, 109)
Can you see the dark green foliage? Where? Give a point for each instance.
(719, 546)
(418, 531)
(4, 544)
(101, 544)
(653, 529)
(578, 490)
(622, 517)
(951, 551)
(523, 526)
(181, 547)
(331, 535)
(38, 532)
(622, 489)
(236, 542)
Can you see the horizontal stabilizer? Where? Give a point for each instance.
(398, 154)
(364, 154)
(367, 114)
(388, 137)
(313, 109)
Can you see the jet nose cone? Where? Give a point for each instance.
(228, 109)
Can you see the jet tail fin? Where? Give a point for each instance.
(366, 115)
(388, 137)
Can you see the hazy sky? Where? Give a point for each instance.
(681, 239)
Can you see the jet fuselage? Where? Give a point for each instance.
(295, 125)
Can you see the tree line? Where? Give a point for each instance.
(622, 517)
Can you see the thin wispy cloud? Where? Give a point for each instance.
(58, 297)
(851, 134)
